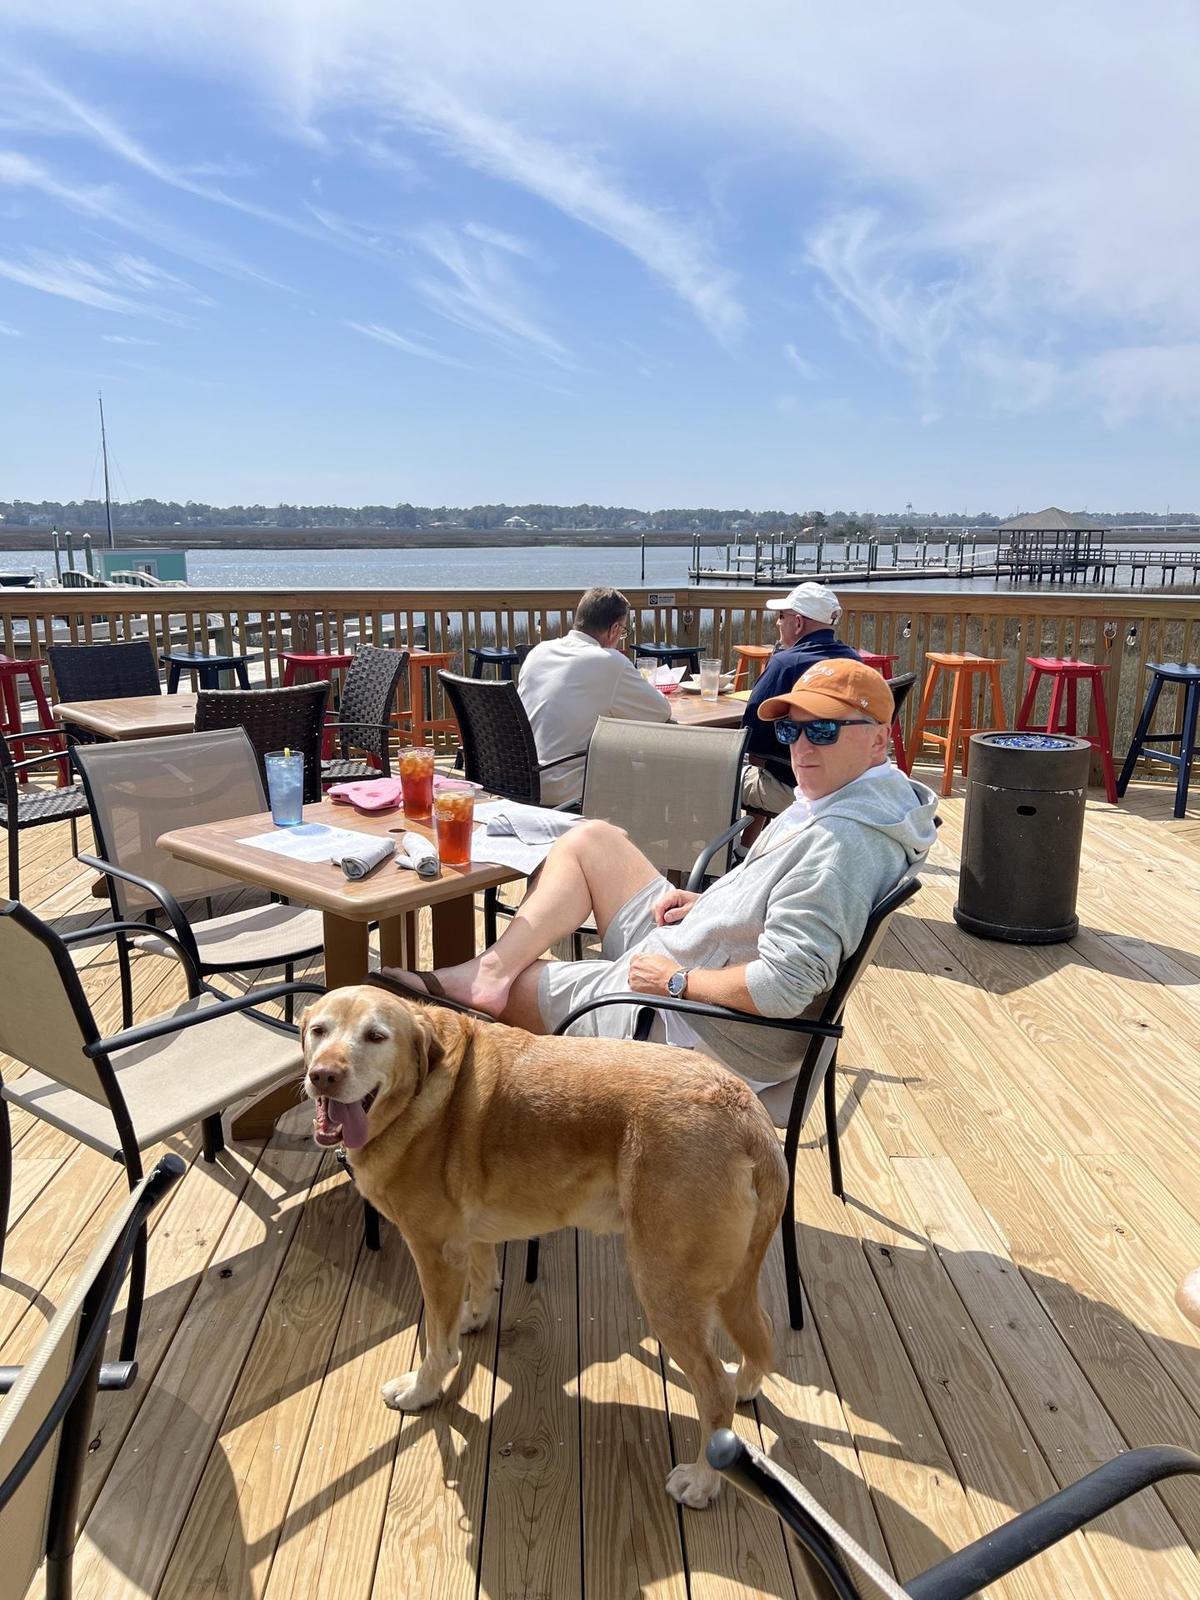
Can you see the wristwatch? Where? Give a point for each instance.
(677, 984)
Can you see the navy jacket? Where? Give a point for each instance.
(777, 677)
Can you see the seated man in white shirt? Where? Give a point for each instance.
(566, 684)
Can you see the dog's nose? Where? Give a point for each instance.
(327, 1080)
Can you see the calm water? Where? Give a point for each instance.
(521, 568)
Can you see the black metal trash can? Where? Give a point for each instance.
(1022, 835)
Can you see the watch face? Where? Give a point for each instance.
(676, 984)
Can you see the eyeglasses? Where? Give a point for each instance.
(821, 730)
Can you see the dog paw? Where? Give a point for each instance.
(695, 1485)
(749, 1382)
(409, 1393)
(474, 1317)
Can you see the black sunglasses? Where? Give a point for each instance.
(821, 730)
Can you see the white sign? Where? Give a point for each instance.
(653, 599)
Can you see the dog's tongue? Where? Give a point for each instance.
(353, 1120)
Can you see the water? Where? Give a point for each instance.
(525, 567)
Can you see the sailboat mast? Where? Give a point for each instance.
(112, 543)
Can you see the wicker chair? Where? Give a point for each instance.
(29, 807)
(102, 672)
(365, 715)
(499, 751)
(274, 719)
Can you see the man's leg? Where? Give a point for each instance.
(765, 797)
(593, 868)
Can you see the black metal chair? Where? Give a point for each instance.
(101, 672)
(817, 1068)
(499, 750)
(364, 721)
(46, 1421)
(274, 719)
(835, 1561)
(30, 807)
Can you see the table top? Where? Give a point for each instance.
(201, 658)
(390, 891)
(690, 711)
(137, 716)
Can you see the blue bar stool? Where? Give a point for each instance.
(671, 655)
(486, 655)
(208, 669)
(1187, 676)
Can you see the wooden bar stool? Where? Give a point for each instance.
(883, 665)
(746, 653)
(1186, 676)
(45, 736)
(423, 667)
(963, 670)
(1065, 674)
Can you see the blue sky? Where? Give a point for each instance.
(651, 254)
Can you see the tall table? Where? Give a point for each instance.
(390, 897)
(135, 716)
(690, 711)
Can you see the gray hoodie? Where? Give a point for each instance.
(796, 907)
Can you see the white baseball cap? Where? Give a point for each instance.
(812, 600)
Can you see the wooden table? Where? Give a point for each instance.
(390, 897)
(137, 716)
(690, 711)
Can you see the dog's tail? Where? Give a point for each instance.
(741, 1308)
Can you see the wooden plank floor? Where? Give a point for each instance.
(990, 1314)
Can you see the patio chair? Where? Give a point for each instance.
(788, 1103)
(123, 1094)
(833, 1559)
(101, 672)
(139, 788)
(364, 720)
(499, 750)
(46, 1421)
(30, 807)
(273, 719)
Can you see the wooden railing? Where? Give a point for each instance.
(1122, 632)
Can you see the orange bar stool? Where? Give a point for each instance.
(1065, 675)
(746, 653)
(883, 664)
(45, 735)
(423, 687)
(962, 671)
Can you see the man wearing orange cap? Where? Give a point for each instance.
(767, 938)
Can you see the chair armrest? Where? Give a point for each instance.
(104, 929)
(545, 766)
(161, 1026)
(47, 755)
(377, 727)
(700, 1008)
(700, 865)
(183, 932)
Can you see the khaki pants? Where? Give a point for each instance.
(762, 791)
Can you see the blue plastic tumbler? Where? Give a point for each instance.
(285, 786)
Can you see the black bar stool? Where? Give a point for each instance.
(1187, 677)
(486, 655)
(208, 669)
(672, 655)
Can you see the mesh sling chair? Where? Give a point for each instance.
(123, 1094)
(834, 1560)
(788, 1103)
(101, 672)
(46, 1422)
(364, 719)
(139, 788)
(273, 719)
(29, 807)
(499, 751)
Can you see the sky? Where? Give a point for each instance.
(772, 255)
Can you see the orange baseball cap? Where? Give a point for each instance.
(836, 689)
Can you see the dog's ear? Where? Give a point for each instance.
(429, 1049)
(303, 1024)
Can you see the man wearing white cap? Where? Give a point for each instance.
(806, 619)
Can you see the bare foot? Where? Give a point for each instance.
(481, 983)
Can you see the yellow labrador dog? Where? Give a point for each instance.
(466, 1133)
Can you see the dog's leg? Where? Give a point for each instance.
(483, 1285)
(750, 1329)
(443, 1276)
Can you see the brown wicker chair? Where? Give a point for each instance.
(101, 672)
(499, 751)
(365, 716)
(274, 719)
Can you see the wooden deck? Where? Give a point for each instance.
(991, 1313)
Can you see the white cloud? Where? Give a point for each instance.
(1162, 378)
(408, 346)
(123, 286)
(800, 364)
(501, 240)
(9, 332)
(476, 290)
(125, 338)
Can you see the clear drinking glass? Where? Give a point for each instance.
(416, 782)
(285, 787)
(710, 677)
(453, 821)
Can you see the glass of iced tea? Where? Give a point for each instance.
(416, 782)
(453, 820)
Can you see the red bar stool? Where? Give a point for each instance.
(1065, 674)
(45, 736)
(320, 664)
(963, 670)
(883, 665)
(746, 653)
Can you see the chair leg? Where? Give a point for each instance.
(918, 736)
(489, 918)
(137, 1294)
(1031, 689)
(831, 1131)
(1139, 735)
(953, 733)
(14, 860)
(791, 1257)
(1056, 698)
(289, 1000)
(1187, 746)
(532, 1251)
(370, 1226)
(126, 982)
(212, 1136)
(5, 1173)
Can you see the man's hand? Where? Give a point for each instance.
(648, 974)
(673, 907)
